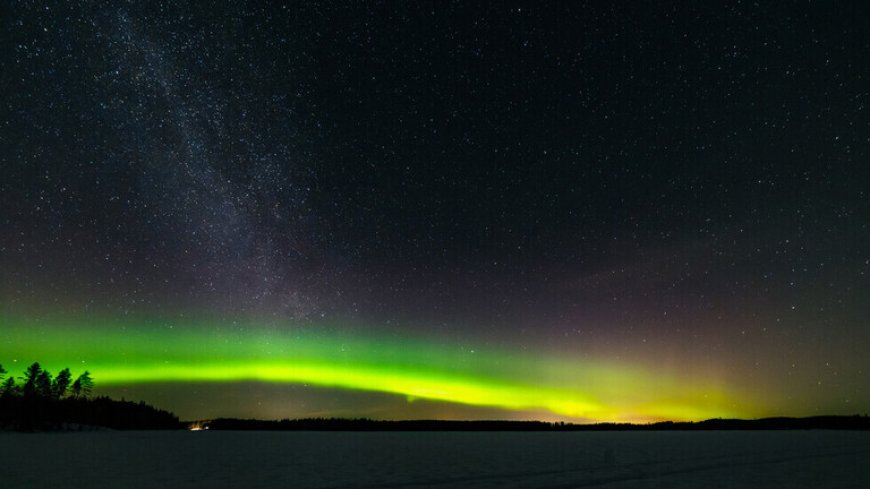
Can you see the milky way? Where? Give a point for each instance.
(588, 212)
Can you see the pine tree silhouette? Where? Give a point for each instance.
(82, 386)
(30, 375)
(61, 384)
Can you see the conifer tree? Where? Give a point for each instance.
(30, 375)
(8, 388)
(44, 384)
(61, 384)
(83, 385)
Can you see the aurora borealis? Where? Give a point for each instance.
(586, 390)
(584, 212)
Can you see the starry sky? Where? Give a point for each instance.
(579, 211)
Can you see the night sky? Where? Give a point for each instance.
(580, 211)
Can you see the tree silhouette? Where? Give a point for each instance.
(30, 375)
(82, 386)
(61, 384)
(44, 384)
(8, 388)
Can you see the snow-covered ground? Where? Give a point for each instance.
(794, 459)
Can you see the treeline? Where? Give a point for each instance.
(43, 402)
(39, 383)
(855, 422)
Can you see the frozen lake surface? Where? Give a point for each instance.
(793, 459)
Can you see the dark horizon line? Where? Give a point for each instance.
(832, 422)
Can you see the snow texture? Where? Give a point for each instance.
(794, 459)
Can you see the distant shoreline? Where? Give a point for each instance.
(855, 422)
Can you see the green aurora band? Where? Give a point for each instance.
(128, 352)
